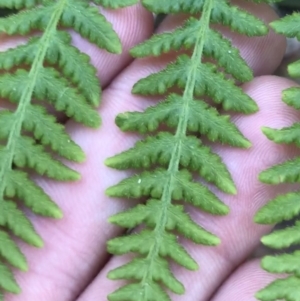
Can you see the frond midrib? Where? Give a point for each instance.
(181, 132)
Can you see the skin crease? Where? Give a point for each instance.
(74, 262)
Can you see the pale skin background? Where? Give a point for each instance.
(74, 262)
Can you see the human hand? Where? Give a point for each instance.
(74, 263)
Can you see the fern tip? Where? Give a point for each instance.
(214, 241)
(275, 25)
(231, 189)
(113, 191)
(259, 295)
(267, 177)
(246, 144)
(57, 213)
(266, 131)
(265, 240)
(37, 242)
(111, 219)
(23, 267)
(109, 162)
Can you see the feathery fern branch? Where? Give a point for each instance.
(49, 68)
(286, 206)
(179, 152)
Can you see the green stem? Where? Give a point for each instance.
(26, 96)
(174, 164)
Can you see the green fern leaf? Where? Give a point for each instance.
(209, 81)
(201, 118)
(11, 253)
(159, 149)
(283, 207)
(227, 56)
(143, 242)
(287, 172)
(285, 263)
(289, 26)
(18, 223)
(281, 289)
(153, 184)
(39, 123)
(293, 69)
(286, 135)
(75, 65)
(283, 238)
(230, 15)
(55, 89)
(33, 156)
(46, 68)
(87, 21)
(177, 220)
(170, 157)
(7, 281)
(160, 272)
(27, 20)
(291, 97)
(19, 4)
(133, 292)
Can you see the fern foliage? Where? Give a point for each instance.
(46, 68)
(166, 161)
(284, 207)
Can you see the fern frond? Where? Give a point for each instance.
(74, 65)
(208, 81)
(177, 219)
(10, 252)
(143, 242)
(287, 172)
(215, 47)
(283, 207)
(170, 157)
(159, 149)
(281, 290)
(19, 4)
(287, 135)
(153, 184)
(201, 118)
(283, 238)
(223, 12)
(46, 68)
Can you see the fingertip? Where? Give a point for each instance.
(244, 283)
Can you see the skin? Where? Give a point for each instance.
(74, 262)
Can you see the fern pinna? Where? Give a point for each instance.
(286, 206)
(171, 157)
(46, 68)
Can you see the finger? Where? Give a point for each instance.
(244, 283)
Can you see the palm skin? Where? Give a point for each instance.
(74, 262)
